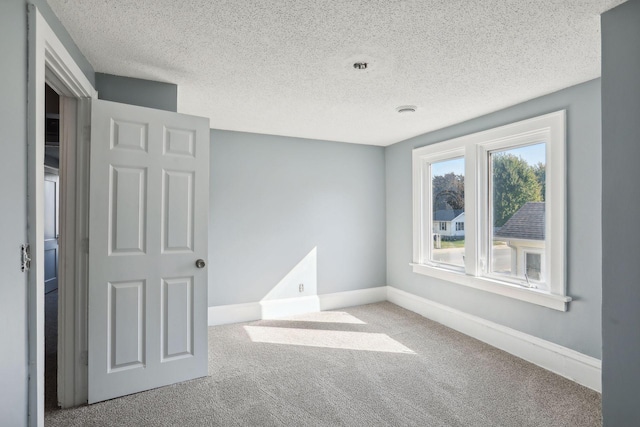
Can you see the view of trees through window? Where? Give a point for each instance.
(515, 182)
(517, 195)
(517, 211)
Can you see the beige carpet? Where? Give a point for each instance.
(373, 365)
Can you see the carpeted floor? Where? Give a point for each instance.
(373, 365)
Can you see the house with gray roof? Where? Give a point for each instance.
(449, 222)
(524, 233)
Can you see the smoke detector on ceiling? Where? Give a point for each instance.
(406, 109)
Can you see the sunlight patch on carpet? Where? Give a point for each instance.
(329, 339)
(325, 317)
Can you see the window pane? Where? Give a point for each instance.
(517, 211)
(533, 266)
(447, 181)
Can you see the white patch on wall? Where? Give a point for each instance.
(304, 273)
(296, 293)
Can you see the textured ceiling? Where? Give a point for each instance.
(285, 67)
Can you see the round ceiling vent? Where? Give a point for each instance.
(406, 109)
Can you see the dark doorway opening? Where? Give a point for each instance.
(51, 246)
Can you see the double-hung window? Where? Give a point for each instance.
(505, 190)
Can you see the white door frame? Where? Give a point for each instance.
(49, 62)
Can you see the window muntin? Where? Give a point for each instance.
(477, 270)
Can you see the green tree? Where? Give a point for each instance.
(514, 184)
(448, 192)
(541, 175)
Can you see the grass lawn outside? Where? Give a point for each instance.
(452, 244)
(460, 244)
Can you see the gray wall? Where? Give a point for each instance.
(145, 93)
(579, 328)
(13, 173)
(13, 295)
(620, 202)
(274, 199)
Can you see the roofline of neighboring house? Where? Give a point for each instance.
(449, 220)
(516, 239)
(457, 216)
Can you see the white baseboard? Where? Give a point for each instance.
(234, 313)
(272, 309)
(563, 361)
(352, 298)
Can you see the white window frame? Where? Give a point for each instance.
(424, 249)
(475, 149)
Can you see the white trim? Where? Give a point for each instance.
(475, 148)
(550, 129)
(234, 313)
(271, 309)
(352, 298)
(499, 287)
(423, 219)
(578, 367)
(72, 324)
(66, 311)
(48, 62)
(71, 81)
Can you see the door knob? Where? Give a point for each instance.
(200, 263)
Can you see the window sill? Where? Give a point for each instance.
(533, 296)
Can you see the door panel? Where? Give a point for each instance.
(148, 226)
(177, 318)
(127, 198)
(177, 212)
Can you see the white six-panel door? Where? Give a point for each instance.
(148, 227)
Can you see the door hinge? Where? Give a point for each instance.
(25, 253)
